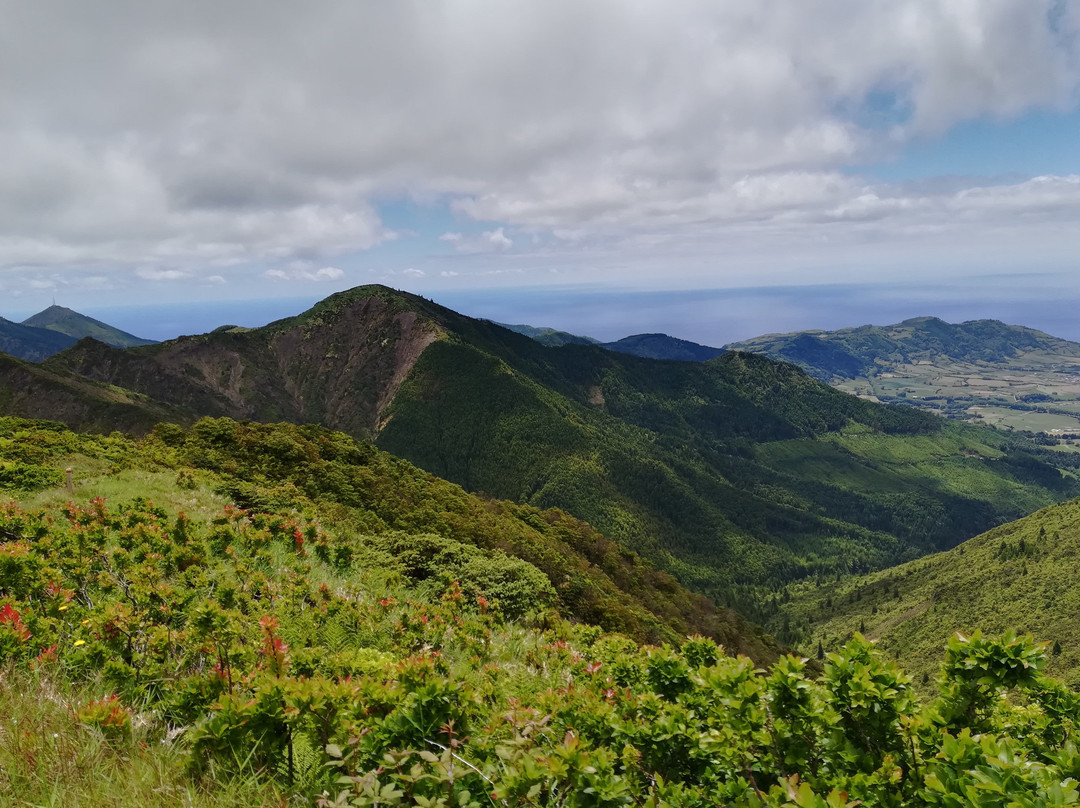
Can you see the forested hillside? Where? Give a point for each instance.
(739, 475)
(242, 615)
(29, 343)
(1019, 577)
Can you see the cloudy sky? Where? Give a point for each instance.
(510, 150)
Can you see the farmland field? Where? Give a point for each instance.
(1035, 391)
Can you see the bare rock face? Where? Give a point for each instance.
(339, 364)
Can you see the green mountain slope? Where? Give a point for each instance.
(1018, 577)
(661, 346)
(65, 321)
(29, 343)
(358, 636)
(738, 474)
(550, 336)
(424, 526)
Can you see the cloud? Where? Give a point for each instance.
(414, 273)
(303, 271)
(261, 132)
(151, 274)
(448, 273)
(487, 242)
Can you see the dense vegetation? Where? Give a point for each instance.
(201, 653)
(739, 475)
(391, 510)
(1018, 577)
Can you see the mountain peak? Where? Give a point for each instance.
(66, 321)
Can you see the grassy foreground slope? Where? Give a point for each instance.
(1018, 577)
(429, 527)
(307, 652)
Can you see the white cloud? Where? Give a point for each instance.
(448, 273)
(413, 273)
(260, 131)
(215, 280)
(304, 271)
(151, 274)
(486, 242)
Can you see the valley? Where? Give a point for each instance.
(386, 503)
(737, 475)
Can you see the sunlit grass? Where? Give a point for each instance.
(186, 491)
(49, 760)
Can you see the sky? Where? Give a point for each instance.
(713, 170)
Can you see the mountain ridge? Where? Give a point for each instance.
(647, 346)
(737, 474)
(29, 343)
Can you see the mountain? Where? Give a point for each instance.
(661, 346)
(648, 346)
(65, 321)
(869, 349)
(738, 474)
(984, 370)
(550, 336)
(1017, 577)
(30, 343)
(29, 390)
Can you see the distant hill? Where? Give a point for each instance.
(661, 346)
(648, 346)
(1020, 577)
(550, 336)
(73, 324)
(872, 349)
(29, 343)
(984, 370)
(738, 474)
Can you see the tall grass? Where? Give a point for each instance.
(48, 759)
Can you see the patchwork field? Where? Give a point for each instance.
(984, 371)
(1033, 391)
